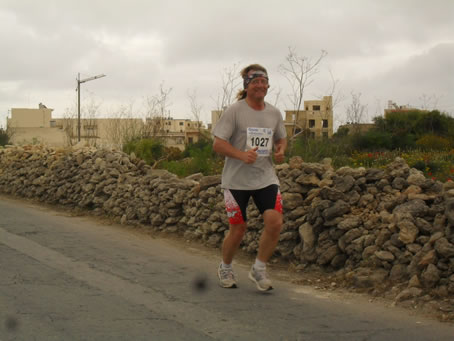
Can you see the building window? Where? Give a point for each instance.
(181, 123)
(311, 123)
(307, 108)
(316, 108)
(297, 130)
(189, 124)
(191, 140)
(324, 123)
(325, 134)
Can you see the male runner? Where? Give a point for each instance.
(246, 134)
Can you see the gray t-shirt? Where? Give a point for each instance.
(265, 127)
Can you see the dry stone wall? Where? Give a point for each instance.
(371, 226)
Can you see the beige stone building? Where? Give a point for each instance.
(180, 132)
(33, 126)
(316, 117)
(215, 116)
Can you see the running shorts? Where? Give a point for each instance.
(236, 202)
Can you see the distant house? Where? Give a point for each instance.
(316, 119)
(393, 107)
(31, 126)
(215, 116)
(180, 132)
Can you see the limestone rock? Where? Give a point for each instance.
(408, 231)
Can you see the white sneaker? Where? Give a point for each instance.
(260, 279)
(226, 277)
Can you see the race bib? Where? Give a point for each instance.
(261, 138)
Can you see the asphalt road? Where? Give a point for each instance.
(76, 278)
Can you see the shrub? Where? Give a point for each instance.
(419, 165)
(173, 153)
(149, 150)
(194, 148)
(403, 141)
(433, 142)
(176, 167)
(197, 157)
(315, 150)
(373, 140)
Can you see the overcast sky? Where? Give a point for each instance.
(386, 50)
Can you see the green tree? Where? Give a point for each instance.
(5, 137)
(373, 140)
(435, 123)
(407, 127)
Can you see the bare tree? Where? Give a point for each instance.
(334, 91)
(196, 108)
(356, 111)
(89, 127)
(300, 72)
(156, 111)
(336, 95)
(123, 126)
(231, 82)
(70, 125)
(378, 108)
(429, 102)
(277, 96)
(89, 121)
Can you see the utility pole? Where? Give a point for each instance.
(80, 81)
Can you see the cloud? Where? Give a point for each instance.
(424, 74)
(386, 50)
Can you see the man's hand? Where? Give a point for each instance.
(279, 155)
(250, 156)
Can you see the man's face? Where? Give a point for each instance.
(257, 87)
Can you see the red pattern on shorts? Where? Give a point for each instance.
(232, 208)
(278, 206)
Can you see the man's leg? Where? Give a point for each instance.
(268, 240)
(235, 204)
(232, 241)
(270, 236)
(230, 245)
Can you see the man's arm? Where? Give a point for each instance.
(224, 148)
(279, 147)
